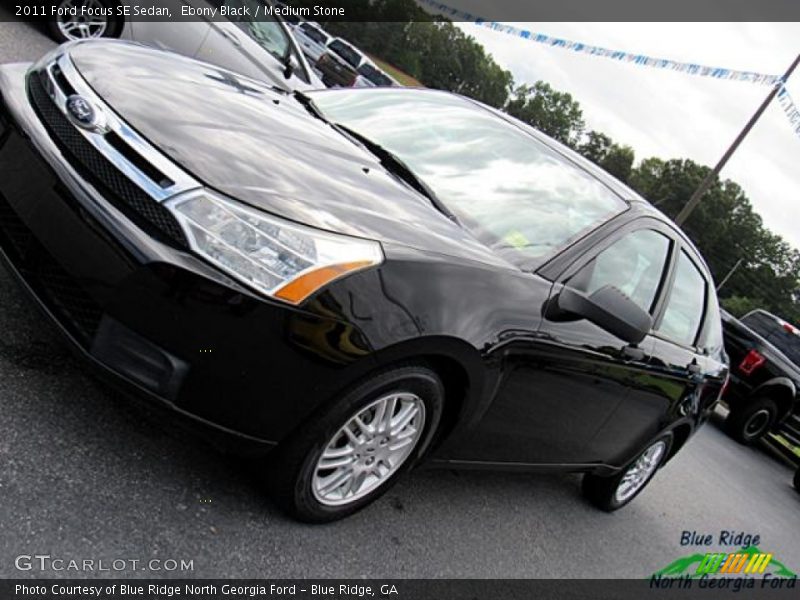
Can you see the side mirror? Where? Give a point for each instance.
(609, 309)
(290, 65)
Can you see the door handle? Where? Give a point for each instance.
(233, 39)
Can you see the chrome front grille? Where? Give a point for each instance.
(130, 173)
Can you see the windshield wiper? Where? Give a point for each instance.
(309, 105)
(395, 165)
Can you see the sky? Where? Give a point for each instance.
(674, 115)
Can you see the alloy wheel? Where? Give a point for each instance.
(78, 26)
(368, 449)
(639, 473)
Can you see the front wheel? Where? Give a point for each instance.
(83, 20)
(797, 480)
(612, 493)
(351, 453)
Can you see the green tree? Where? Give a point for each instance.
(739, 306)
(555, 113)
(595, 147)
(619, 162)
(601, 150)
(448, 59)
(429, 48)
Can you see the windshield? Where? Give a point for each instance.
(374, 75)
(777, 332)
(512, 191)
(314, 34)
(346, 52)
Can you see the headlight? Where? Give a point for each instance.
(276, 257)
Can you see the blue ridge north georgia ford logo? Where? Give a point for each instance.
(82, 112)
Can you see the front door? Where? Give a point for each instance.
(563, 385)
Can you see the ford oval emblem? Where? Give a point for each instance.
(82, 112)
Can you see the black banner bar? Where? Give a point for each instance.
(398, 589)
(507, 11)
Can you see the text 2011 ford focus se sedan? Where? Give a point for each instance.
(353, 279)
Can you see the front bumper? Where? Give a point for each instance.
(159, 319)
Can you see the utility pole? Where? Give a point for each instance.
(709, 179)
(731, 272)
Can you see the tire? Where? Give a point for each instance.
(797, 480)
(309, 492)
(608, 494)
(97, 27)
(752, 421)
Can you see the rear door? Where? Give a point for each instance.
(687, 367)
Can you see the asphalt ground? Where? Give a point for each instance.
(84, 474)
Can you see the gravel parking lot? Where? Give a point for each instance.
(85, 475)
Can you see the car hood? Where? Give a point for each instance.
(262, 147)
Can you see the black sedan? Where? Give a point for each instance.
(353, 279)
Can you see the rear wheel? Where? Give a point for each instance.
(354, 451)
(83, 20)
(752, 421)
(797, 480)
(614, 492)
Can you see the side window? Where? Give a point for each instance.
(634, 264)
(713, 341)
(762, 323)
(686, 303)
(788, 342)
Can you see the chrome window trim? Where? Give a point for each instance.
(109, 121)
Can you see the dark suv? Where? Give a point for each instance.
(764, 353)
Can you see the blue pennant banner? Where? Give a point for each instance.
(616, 55)
(790, 108)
